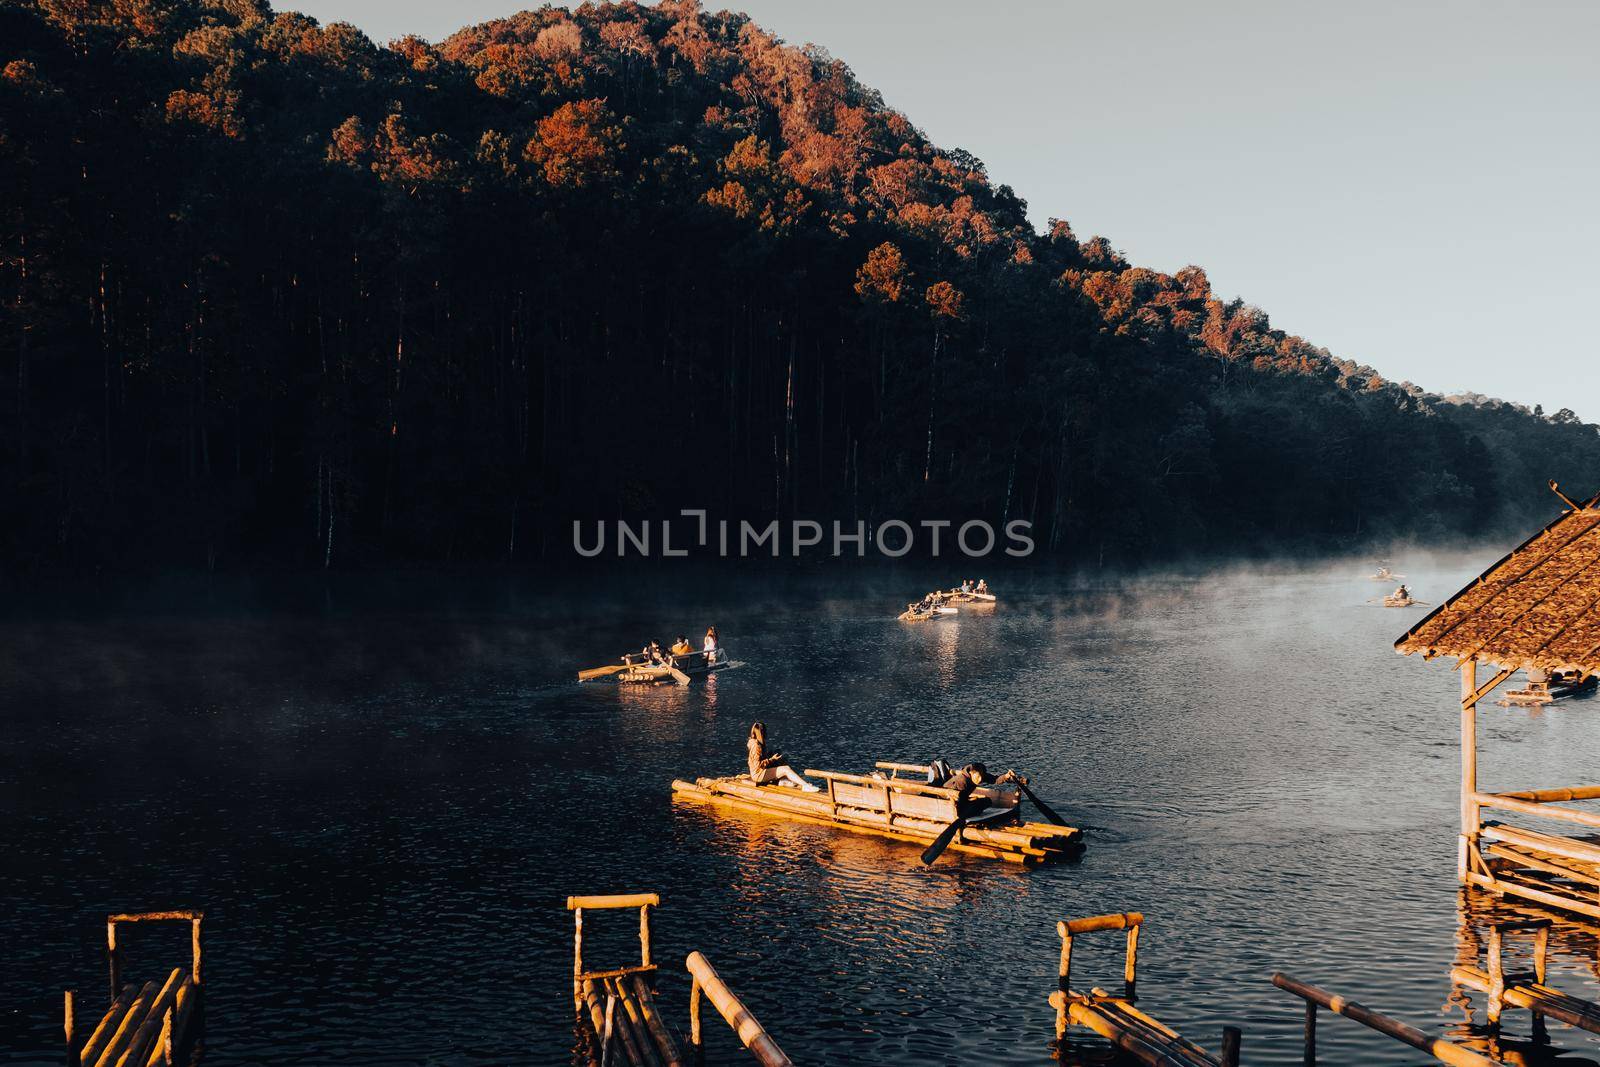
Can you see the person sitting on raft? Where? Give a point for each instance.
(653, 652)
(1402, 593)
(983, 587)
(969, 778)
(766, 768)
(682, 647)
(710, 648)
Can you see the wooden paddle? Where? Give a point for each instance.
(942, 842)
(1044, 809)
(601, 672)
(683, 679)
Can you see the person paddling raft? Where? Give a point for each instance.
(969, 778)
(764, 768)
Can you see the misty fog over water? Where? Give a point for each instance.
(381, 804)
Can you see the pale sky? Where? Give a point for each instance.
(1415, 186)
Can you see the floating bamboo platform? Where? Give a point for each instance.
(900, 809)
(617, 1008)
(1440, 1049)
(1115, 1018)
(1548, 690)
(143, 1025)
(971, 599)
(1525, 989)
(1531, 611)
(913, 615)
(637, 668)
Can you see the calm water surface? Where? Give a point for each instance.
(381, 810)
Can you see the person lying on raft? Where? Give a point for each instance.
(970, 778)
(766, 768)
(682, 647)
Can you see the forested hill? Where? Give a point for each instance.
(274, 294)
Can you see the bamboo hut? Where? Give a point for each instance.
(1533, 611)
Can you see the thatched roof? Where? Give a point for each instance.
(1536, 608)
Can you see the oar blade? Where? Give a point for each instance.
(679, 676)
(1044, 809)
(942, 842)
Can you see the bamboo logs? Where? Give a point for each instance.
(750, 1032)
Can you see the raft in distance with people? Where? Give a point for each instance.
(902, 809)
(639, 668)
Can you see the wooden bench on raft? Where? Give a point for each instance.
(620, 1003)
(1115, 1018)
(1315, 997)
(144, 1025)
(1526, 989)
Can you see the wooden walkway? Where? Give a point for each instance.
(144, 1025)
(1114, 1018)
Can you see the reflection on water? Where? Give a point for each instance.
(381, 811)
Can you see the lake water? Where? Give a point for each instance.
(382, 803)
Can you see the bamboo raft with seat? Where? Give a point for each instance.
(1525, 989)
(143, 1025)
(1533, 610)
(1114, 1018)
(617, 1011)
(901, 809)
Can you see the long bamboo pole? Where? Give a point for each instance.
(1469, 767)
(1440, 1049)
(751, 1033)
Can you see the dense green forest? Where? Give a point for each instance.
(274, 294)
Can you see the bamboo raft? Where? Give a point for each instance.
(913, 615)
(900, 809)
(144, 1025)
(637, 668)
(617, 1010)
(1115, 1018)
(977, 600)
(1525, 989)
(1547, 690)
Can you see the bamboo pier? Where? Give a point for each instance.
(149, 1025)
(900, 809)
(1114, 1018)
(617, 1008)
(1533, 611)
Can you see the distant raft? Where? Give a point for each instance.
(917, 614)
(1549, 688)
(902, 809)
(971, 598)
(638, 668)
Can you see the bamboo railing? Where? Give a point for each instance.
(1437, 1047)
(142, 1026)
(751, 1034)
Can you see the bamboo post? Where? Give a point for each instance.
(1311, 1034)
(605, 1038)
(1130, 965)
(166, 1039)
(69, 1024)
(1468, 841)
(1231, 1036)
(644, 934)
(1497, 978)
(113, 957)
(577, 954)
(194, 938)
(695, 1038)
(1064, 982)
